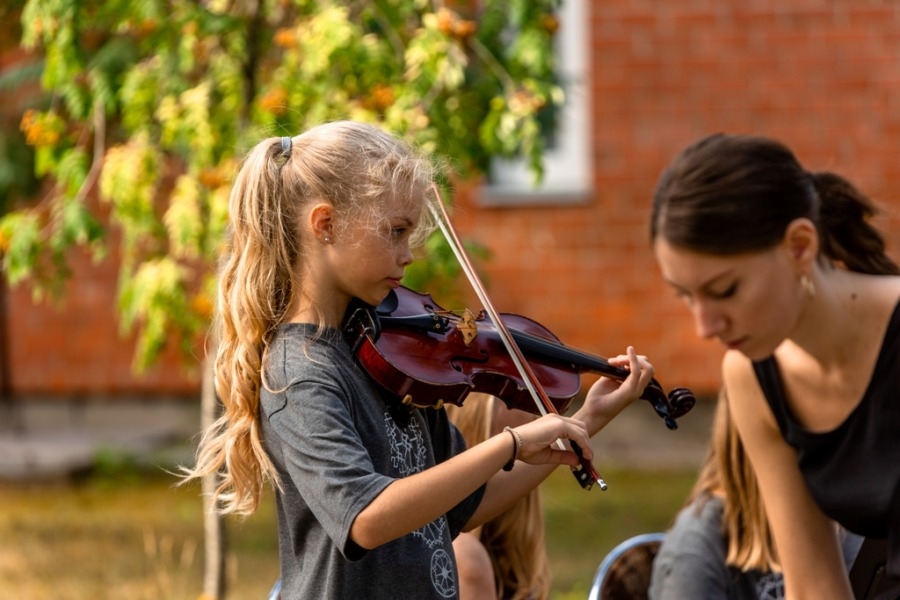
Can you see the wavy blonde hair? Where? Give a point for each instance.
(357, 168)
(727, 473)
(515, 539)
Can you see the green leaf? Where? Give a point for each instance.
(20, 244)
(183, 219)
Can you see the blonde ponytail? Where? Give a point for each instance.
(355, 167)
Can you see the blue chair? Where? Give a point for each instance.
(625, 572)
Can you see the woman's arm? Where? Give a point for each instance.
(806, 539)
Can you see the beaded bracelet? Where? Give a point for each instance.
(517, 444)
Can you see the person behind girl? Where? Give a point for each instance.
(505, 557)
(720, 546)
(369, 493)
(782, 267)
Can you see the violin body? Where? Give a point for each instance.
(428, 356)
(423, 354)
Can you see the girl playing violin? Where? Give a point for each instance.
(369, 496)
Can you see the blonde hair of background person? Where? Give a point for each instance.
(727, 479)
(511, 544)
(720, 546)
(727, 473)
(369, 493)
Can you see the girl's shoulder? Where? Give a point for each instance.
(302, 348)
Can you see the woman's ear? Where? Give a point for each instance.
(801, 241)
(321, 222)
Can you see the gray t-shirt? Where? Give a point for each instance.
(336, 445)
(691, 562)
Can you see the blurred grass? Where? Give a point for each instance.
(128, 534)
(583, 526)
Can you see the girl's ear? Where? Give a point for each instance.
(802, 242)
(321, 222)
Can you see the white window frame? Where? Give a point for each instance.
(567, 166)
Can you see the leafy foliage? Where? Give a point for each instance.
(152, 102)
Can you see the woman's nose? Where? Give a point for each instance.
(708, 322)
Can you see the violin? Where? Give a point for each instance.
(441, 362)
(428, 356)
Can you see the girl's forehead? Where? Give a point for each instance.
(403, 206)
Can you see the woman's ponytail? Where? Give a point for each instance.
(847, 235)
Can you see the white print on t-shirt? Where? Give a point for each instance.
(770, 587)
(408, 456)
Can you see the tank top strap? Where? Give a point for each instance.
(769, 378)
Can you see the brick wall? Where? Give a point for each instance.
(75, 349)
(822, 76)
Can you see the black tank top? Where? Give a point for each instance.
(853, 471)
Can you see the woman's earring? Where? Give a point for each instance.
(808, 286)
(327, 239)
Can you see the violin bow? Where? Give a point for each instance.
(586, 475)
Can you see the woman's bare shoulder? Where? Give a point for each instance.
(746, 399)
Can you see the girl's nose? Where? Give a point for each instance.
(406, 256)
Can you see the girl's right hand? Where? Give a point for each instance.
(538, 440)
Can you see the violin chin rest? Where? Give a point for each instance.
(389, 304)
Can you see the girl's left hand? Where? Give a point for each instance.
(608, 397)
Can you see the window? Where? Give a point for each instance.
(567, 158)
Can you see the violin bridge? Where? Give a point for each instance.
(467, 327)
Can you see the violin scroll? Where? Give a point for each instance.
(669, 408)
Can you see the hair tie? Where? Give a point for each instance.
(287, 144)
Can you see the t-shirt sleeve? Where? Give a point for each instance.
(325, 458)
(691, 559)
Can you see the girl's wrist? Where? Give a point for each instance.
(592, 421)
(517, 445)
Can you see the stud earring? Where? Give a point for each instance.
(327, 239)
(808, 286)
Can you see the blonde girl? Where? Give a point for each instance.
(369, 495)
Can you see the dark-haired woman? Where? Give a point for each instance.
(783, 268)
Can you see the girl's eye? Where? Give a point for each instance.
(398, 232)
